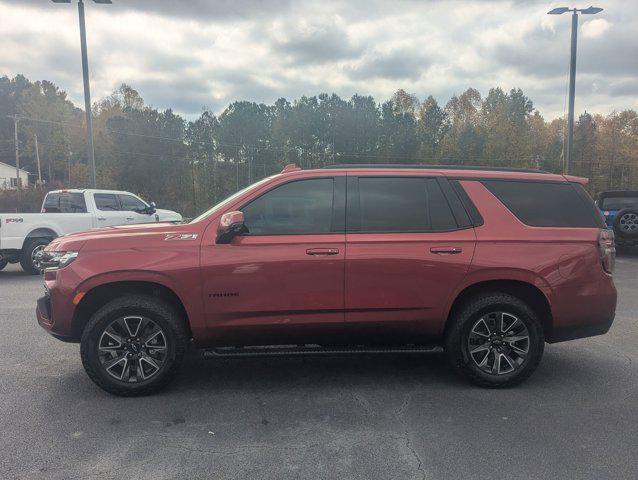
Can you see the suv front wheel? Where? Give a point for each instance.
(133, 345)
(496, 340)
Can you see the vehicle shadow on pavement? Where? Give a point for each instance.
(319, 372)
(560, 369)
(627, 252)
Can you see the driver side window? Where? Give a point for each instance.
(295, 208)
(131, 203)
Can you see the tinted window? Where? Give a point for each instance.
(302, 207)
(545, 204)
(441, 217)
(392, 204)
(106, 201)
(618, 203)
(129, 202)
(64, 202)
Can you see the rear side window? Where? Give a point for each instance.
(399, 204)
(546, 204)
(106, 201)
(64, 202)
(295, 208)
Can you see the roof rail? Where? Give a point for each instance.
(291, 167)
(435, 167)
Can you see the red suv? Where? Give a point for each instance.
(488, 263)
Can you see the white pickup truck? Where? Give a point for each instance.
(23, 235)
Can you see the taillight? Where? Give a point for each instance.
(607, 249)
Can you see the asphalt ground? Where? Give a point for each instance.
(367, 417)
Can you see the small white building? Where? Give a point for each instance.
(8, 177)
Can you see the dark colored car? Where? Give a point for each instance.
(351, 259)
(620, 209)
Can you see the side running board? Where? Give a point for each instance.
(294, 350)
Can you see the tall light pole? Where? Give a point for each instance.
(87, 87)
(572, 75)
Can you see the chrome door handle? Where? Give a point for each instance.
(101, 219)
(322, 251)
(446, 250)
(130, 218)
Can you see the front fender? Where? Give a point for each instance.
(186, 292)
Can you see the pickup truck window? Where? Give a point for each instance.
(106, 201)
(295, 208)
(134, 204)
(64, 202)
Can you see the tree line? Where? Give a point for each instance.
(188, 165)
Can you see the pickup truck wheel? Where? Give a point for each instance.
(495, 340)
(133, 345)
(3, 263)
(28, 257)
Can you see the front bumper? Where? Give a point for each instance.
(55, 309)
(43, 313)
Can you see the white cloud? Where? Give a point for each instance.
(211, 53)
(595, 28)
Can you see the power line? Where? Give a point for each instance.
(463, 159)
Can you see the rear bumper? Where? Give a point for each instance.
(563, 334)
(583, 309)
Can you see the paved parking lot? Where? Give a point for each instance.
(386, 417)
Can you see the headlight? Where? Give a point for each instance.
(55, 260)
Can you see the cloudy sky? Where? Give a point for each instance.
(194, 54)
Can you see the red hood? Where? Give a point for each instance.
(127, 233)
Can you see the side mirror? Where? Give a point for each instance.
(151, 209)
(230, 225)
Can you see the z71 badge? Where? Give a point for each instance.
(180, 236)
(14, 220)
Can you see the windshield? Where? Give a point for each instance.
(229, 199)
(618, 203)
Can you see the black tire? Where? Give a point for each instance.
(459, 330)
(26, 257)
(626, 224)
(160, 313)
(3, 263)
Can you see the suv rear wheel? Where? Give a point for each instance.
(496, 340)
(133, 345)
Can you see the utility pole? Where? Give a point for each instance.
(572, 94)
(193, 182)
(87, 87)
(15, 141)
(87, 95)
(37, 157)
(572, 75)
(214, 178)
